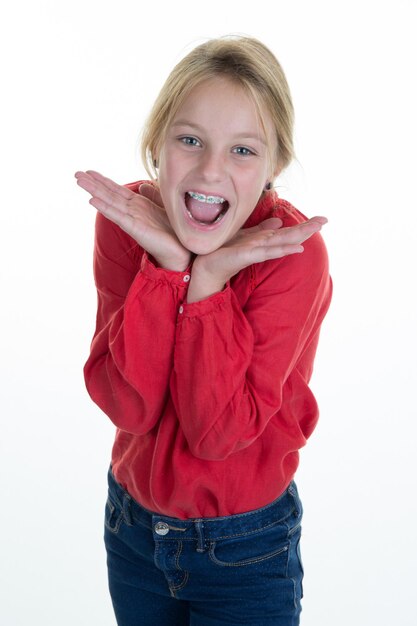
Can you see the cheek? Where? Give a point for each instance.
(253, 182)
(252, 197)
(172, 202)
(168, 185)
(170, 164)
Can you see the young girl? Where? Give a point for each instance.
(209, 312)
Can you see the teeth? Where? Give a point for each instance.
(201, 197)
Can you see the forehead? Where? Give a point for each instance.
(222, 105)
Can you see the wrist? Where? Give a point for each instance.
(174, 267)
(153, 270)
(203, 283)
(171, 265)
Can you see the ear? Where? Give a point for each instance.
(277, 172)
(269, 183)
(155, 156)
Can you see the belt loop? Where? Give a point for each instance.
(127, 501)
(199, 525)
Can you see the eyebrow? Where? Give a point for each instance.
(242, 135)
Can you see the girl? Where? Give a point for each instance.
(209, 311)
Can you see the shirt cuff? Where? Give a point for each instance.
(218, 302)
(159, 274)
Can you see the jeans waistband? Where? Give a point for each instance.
(209, 528)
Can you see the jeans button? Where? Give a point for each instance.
(161, 528)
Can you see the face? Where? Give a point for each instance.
(213, 164)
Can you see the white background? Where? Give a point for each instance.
(77, 81)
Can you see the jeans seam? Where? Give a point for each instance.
(251, 561)
(113, 496)
(257, 530)
(294, 529)
(116, 527)
(294, 582)
(175, 588)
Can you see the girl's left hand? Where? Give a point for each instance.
(266, 241)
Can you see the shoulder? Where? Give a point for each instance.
(315, 251)
(308, 270)
(271, 205)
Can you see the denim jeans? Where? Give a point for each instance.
(241, 569)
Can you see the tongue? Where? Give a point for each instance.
(201, 211)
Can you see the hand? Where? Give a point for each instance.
(250, 245)
(141, 216)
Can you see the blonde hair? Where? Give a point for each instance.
(250, 64)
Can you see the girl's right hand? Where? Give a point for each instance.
(141, 216)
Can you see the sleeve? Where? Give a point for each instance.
(127, 372)
(231, 362)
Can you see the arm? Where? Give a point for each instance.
(127, 372)
(232, 359)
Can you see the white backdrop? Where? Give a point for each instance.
(78, 80)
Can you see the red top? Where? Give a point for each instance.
(210, 399)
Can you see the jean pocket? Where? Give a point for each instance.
(252, 548)
(113, 516)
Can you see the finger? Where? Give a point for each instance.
(97, 184)
(277, 252)
(108, 191)
(110, 184)
(122, 219)
(297, 234)
(86, 182)
(272, 223)
(152, 193)
(261, 253)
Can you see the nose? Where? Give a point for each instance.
(212, 166)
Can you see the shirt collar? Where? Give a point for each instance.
(264, 209)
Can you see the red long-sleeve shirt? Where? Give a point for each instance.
(210, 399)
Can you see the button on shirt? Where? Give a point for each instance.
(211, 398)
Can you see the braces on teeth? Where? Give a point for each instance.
(203, 198)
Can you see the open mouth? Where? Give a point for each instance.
(205, 209)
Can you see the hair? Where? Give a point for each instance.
(247, 62)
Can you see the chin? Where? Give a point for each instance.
(201, 247)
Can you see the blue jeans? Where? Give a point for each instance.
(241, 569)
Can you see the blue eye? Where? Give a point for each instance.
(242, 151)
(190, 141)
